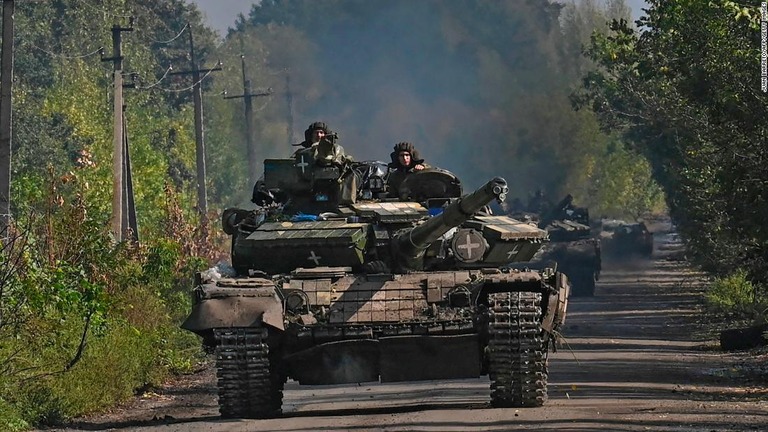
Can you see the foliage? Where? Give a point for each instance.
(10, 419)
(684, 92)
(63, 118)
(85, 321)
(737, 297)
(622, 185)
(84, 316)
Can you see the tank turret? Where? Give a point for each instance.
(558, 211)
(388, 236)
(412, 243)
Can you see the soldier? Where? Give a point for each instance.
(322, 158)
(313, 135)
(405, 160)
(325, 151)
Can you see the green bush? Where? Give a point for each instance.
(89, 321)
(10, 418)
(136, 344)
(114, 365)
(736, 296)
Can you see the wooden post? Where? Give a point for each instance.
(117, 133)
(248, 94)
(6, 114)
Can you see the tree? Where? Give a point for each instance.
(685, 92)
(481, 87)
(63, 111)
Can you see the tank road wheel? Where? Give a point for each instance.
(249, 387)
(517, 350)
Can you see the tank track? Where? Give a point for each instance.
(517, 350)
(248, 386)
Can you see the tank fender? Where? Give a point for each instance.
(557, 304)
(260, 306)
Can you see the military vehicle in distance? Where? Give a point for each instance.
(627, 239)
(572, 245)
(336, 287)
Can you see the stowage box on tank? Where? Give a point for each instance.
(337, 287)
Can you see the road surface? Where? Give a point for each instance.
(635, 357)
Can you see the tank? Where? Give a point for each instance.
(626, 239)
(338, 284)
(573, 247)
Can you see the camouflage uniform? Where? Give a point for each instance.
(324, 153)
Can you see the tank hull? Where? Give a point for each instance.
(348, 328)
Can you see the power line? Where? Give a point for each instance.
(208, 72)
(248, 94)
(109, 14)
(166, 42)
(165, 74)
(99, 50)
(119, 201)
(202, 193)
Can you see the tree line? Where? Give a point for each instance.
(684, 90)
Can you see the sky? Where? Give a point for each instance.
(636, 6)
(221, 14)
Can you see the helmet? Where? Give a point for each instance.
(313, 127)
(405, 147)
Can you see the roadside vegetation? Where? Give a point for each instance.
(736, 298)
(86, 322)
(683, 90)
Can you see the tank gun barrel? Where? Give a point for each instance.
(412, 243)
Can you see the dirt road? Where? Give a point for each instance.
(636, 358)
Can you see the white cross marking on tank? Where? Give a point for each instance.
(469, 246)
(314, 258)
(302, 164)
(513, 252)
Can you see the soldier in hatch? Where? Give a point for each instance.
(320, 146)
(405, 160)
(314, 133)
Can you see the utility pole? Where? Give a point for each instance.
(202, 194)
(6, 111)
(248, 94)
(117, 140)
(289, 103)
(130, 227)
